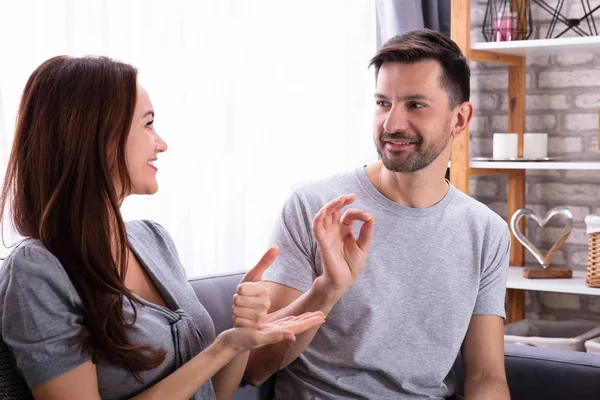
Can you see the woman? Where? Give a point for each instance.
(91, 307)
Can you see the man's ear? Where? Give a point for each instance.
(464, 114)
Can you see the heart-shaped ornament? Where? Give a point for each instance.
(526, 212)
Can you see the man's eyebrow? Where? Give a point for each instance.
(410, 97)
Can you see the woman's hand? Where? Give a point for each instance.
(251, 302)
(242, 339)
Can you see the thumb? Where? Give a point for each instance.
(255, 274)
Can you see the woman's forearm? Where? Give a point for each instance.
(187, 380)
(228, 379)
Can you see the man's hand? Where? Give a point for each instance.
(251, 301)
(343, 256)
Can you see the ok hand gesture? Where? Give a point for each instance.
(343, 255)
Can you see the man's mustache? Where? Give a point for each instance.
(385, 136)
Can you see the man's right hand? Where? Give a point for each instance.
(343, 256)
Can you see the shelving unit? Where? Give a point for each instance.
(538, 47)
(572, 165)
(575, 285)
(513, 55)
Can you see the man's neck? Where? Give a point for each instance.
(419, 189)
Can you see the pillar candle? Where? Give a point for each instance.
(535, 145)
(506, 145)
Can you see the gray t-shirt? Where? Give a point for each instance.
(396, 333)
(41, 314)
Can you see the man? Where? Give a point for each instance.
(434, 280)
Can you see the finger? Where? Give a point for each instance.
(335, 217)
(305, 316)
(249, 313)
(355, 214)
(255, 274)
(258, 302)
(295, 318)
(339, 203)
(253, 289)
(240, 322)
(324, 217)
(265, 337)
(297, 327)
(365, 235)
(318, 221)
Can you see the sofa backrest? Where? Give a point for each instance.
(12, 385)
(216, 292)
(533, 372)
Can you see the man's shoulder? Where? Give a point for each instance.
(478, 212)
(326, 189)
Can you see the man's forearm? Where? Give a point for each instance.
(486, 388)
(267, 360)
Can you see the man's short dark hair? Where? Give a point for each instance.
(424, 44)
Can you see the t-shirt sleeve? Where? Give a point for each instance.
(492, 284)
(168, 241)
(295, 265)
(41, 315)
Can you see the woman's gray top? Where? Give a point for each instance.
(41, 314)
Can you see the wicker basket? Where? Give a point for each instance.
(593, 270)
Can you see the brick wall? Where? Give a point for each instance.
(563, 98)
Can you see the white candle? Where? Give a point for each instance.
(535, 145)
(506, 145)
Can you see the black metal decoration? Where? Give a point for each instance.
(500, 23)
(571, 23)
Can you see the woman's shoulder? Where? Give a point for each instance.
(149, 233)
(145, 227)
(32, 258)
(152, 241)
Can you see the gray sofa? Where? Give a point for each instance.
(533, 373)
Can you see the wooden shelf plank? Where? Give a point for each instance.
(495, 58)
(587, 44)
(563, 165)
(494, 171)
(575, 285)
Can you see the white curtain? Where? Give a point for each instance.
(252, 96)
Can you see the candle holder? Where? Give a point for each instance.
(572, 24)
(501, 23)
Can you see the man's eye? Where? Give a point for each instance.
(382, 103)
(416, 105)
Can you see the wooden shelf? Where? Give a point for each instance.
(574, 165)
(575, 285)
(588, 44)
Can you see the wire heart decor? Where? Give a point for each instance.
(556, 211)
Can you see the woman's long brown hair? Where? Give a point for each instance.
(72, 125)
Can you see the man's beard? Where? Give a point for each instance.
(421, 156)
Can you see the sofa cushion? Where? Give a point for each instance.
(537, 373)
(215, 292)
(533, 372)
(12, 385)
